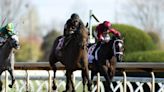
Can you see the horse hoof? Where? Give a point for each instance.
(89, 87)
(0, 89)
(73, 91)
(10, 86)
(54, 87)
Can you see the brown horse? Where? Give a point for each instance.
(73, 56)
(105, 62)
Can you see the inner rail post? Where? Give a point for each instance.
(27, 81)
(49, 81)
(6, 81)
(153, 82)
(98, 82)
(125, 79)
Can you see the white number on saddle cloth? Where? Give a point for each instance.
(90, 51)
(60, 44)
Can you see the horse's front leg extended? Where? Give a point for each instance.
(12, 78)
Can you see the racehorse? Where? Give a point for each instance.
(7, 57)
(105, 60)
(73, 55)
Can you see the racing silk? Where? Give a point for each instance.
(5, 34)
(100, 30)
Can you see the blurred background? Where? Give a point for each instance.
(39, 22)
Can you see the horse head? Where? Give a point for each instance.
(118, 49)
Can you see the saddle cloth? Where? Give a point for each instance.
(60, 44)
(92, 55)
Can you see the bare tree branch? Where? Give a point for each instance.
(10, 9)
(147, 13)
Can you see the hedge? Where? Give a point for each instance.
(145, 56)
(134, 39)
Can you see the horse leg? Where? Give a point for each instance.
(1, 81)
(112, 67)
(69, 82)
(83, 80)
(12, 78)
(93, 73)
(104, 71)
(54, 87)
(73, 86)
(52, 61)
(86, 71)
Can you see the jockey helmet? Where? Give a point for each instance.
(74, 16)
(75, 20)
(107, 24)
(10, 27)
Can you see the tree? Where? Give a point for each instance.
(10, 10)
(147, 13)
(29, 51)
(48, 42)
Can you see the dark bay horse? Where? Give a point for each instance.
(7, 57)
(105, 60)
(73, 55)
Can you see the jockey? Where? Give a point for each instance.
(5, 32)
(106, 26)
(72, 24)
(101, 29)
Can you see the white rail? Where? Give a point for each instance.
(35, 77)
